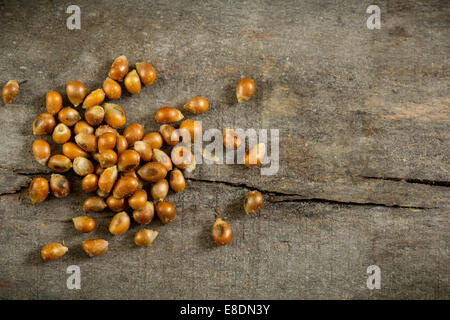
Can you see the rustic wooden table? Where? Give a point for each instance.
(364, 120)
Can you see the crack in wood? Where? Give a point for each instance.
(296, 197)
(439, 183)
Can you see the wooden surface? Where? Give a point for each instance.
(364, 119)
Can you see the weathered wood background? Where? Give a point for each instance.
(364, 120)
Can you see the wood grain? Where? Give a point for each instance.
(364, 122)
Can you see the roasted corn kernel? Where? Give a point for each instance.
(112, 89)
(53, 102)
(146, 72)
(152, 172)
(245, 89)
(95, 247)
(38, 190)
(41, 151)
(119, 68)
(145, 237)
(89, 183)
(159, 190)
(94, 204)
(83, 224)
(153, 139)
(120, 223)
(124, 187)
(128, 160)
(94, 115)
(43, 124)
(114, 115)
(145, 214)
(61, 134)
(168, 115)
(53, 251)
(177, 181)
(59, 163)
(76, 91)
(132, 82)
(10, 91)
(166, 211)
(197, 105)
(59, 185)
(107, 179)
(94, 98)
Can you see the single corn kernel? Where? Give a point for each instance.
(72, 150)
(128, 160)
(117, 205)
(61, 133)
(83, 224)
(183, 158)
(69, 116)
(245, 89)
(95, 247)
(38, 190)
(154, 140)
(133, 132)
(107, 158)
(89, 183)
(168, 115)
(106, 141)
(166, 211)
(59, 163)
(59, 185)
(170, 135)
(138, 199)
(124, 187)
(112, 89)
(253, 202)
(146, 72)
(82, 166)
(197, 105)
(114, 115)
(119, 68)
(43, 124)
(120, 223)
(145, 237)
(53, 102)
(107, 179)
(159, 190)
(144, 150)
(10, 91)
(41, 151)
(76, 91)
(177, 181)
(133, 174)
(190, 131)
(53, 251)
(162, 158)
(254, 156)
(152, 172)
(94, 204)
(94, 98)
(94, 115)
(88, 142)
(82, 127)
(133, 82)
(121, 144)
(221, 232)
(145, 214)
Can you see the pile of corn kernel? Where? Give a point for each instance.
(116, 166)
